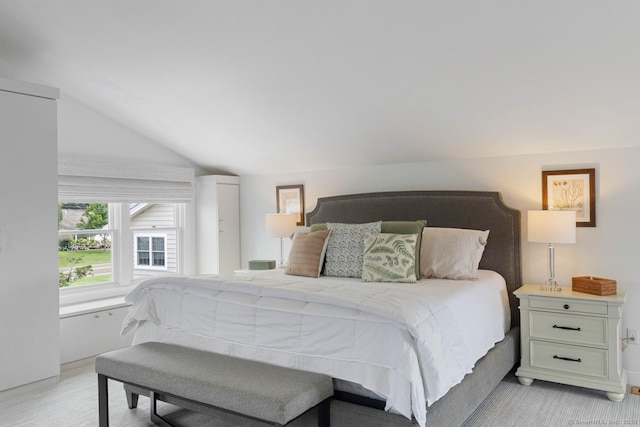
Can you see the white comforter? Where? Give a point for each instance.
(407, 342)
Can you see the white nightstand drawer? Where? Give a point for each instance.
(586, 330)
(572, 338)
(569, 305)
(569, 359)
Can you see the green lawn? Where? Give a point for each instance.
(92, 256)
(91, 279)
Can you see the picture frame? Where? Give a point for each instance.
(290, 199)
(571, 189)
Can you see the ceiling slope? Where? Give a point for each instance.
(259, 87)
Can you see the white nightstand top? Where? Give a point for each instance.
(567, 292)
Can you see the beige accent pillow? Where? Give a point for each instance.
(307, 253)
(451, 253)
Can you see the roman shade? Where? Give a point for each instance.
(123, 182)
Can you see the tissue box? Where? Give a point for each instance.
(262, 264)
(594, 285)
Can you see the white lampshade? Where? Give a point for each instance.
(281, 225)
(552, 226)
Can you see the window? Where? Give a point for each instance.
(84, 244)
(151, 251)
(156, 237)
(90, 239)
(137, 217)
(136, 242)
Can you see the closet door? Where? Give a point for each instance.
(29, 313)
(217, 224)
(229, 227)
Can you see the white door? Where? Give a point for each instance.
(229, 227)
(29, 309)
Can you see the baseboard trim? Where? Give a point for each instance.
(633, 379)
(77, 364)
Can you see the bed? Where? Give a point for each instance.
(377, 339)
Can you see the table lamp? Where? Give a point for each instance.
(552, 227)
(281, 225)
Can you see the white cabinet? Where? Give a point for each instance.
(92, 333)
(29, 323)
(217, 224)
(571, 338)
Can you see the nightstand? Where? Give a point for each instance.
(571, 338)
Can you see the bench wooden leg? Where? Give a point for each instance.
(155, 418)
(132, 399)
(103, 401)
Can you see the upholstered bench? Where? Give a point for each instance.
(205, 380)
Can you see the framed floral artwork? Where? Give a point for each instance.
(571, 189)
(290, 199)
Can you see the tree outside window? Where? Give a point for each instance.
(78, 245)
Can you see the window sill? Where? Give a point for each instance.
(92, 307)
(74, 304)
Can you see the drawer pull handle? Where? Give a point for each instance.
(566, 306)
(555, 356)
(568, 328)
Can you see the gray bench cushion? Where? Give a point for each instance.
(251, 388)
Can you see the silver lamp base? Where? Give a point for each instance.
(551, 285)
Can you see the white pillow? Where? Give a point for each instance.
(346, 244)
(451, 253)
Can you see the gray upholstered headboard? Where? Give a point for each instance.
(476, 210)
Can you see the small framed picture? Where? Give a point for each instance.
(290, 199)
(571, 189)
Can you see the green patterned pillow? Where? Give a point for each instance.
(389, 258)
(344, 251)
(396, 227)
(407, 227)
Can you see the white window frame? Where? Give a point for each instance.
(120, 280)
(150, 266)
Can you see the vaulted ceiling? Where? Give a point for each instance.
(265, 86)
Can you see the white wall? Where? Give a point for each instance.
(85, 133)
(608, 250)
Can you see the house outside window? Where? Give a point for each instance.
(151, 251)
(156, 238)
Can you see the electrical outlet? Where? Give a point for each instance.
(632, 336)
(635, 390)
